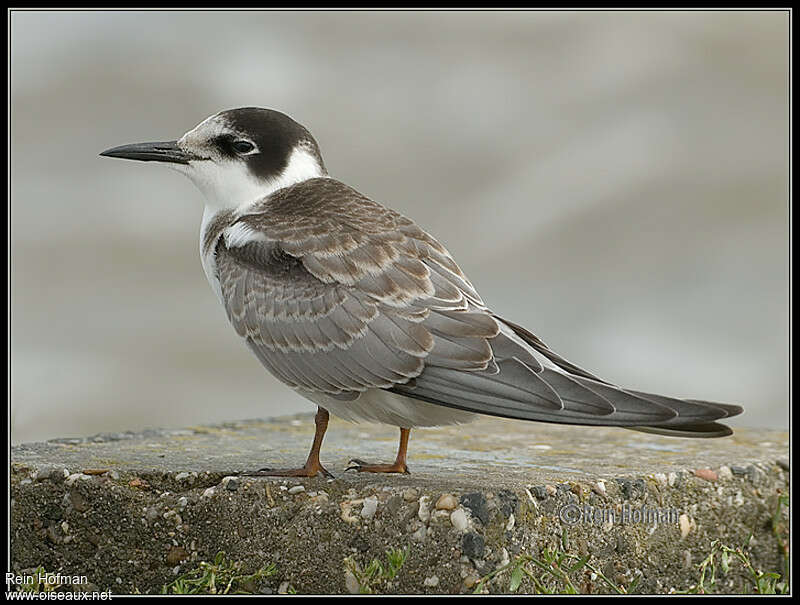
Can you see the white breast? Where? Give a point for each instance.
(207, 257)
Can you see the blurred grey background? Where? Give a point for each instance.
(616, 182)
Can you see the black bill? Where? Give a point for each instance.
(166, 151)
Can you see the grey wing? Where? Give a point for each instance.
(355, 299)
(314, 335)
(362, 298)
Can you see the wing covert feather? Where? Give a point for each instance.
(337, 294)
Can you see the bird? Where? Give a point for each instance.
(363, 312)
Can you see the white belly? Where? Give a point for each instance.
(383, 407)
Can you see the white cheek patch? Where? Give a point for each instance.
(303, 165)
(228, 184)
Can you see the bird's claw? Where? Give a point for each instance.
(355, 463)
(366, 467)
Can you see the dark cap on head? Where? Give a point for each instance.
(274, 133)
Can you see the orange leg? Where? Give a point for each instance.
(312, 465)
(399, 465)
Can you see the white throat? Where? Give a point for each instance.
(228, 185)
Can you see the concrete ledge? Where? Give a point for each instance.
(133, 511)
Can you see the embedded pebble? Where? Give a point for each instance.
(151, 514)
(370, 506)
(420, 534)
(459, 519)
(685, 525)
(230, 483)
(346, 507)
(550, 489)
(504, 558)
(77, 477)
(296, 489)
(432, 581)
(170, 514)
(176, 554)
(410, 494)
(473, 545)
(725, 473)
(424, 513)
(706, 473)
(446, 502)
(540, 491)
(599, 488)
(55, 473)
(351, 582)
(478, 506)
(138, 483)
(320, 498)
(631, 488)
(79, 502)
(208, 492)
(672, 478)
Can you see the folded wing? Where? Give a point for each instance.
(337, 294)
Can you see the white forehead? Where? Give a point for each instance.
(207, 130)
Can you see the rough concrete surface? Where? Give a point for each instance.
(133, 511)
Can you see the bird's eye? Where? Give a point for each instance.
(243, 146)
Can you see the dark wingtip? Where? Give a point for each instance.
(728, 408)
(703, 430)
